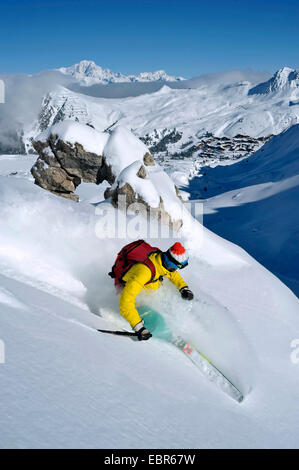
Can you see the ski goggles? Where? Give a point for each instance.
(172, 264)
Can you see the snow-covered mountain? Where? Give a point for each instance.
(285, 79)
(187, 109)
(87, 72)
(174, 122)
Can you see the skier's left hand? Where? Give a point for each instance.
(186, 293)
(142, 333)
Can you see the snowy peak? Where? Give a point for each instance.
(160, 75)
(85, 67)
(284, 79)
(87, 72)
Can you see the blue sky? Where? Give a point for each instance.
(185, 38)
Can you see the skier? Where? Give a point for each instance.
(141, 266)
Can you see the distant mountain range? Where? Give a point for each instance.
(87, 73)
(225, 109)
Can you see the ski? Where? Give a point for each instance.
(157, 325)
(208, 369)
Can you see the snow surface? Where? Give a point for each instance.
(73, 132)
(123, 148)
(65, 385)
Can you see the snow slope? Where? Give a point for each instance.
(254, 203)
(65, 385)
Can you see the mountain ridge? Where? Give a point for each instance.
(285, 78)
(87, 72)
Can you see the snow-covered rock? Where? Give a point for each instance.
(151, 189)
(123, 148)
(73, 132)
(70, 153)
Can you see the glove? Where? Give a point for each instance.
(186, 293)
(142, 333)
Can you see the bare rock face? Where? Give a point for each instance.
(61, 167)
(148, 160)
(141, 173)
(178, 194)
(125, 190)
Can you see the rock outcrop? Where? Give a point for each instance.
(124, 195)
(118, 158)
(61, 166)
